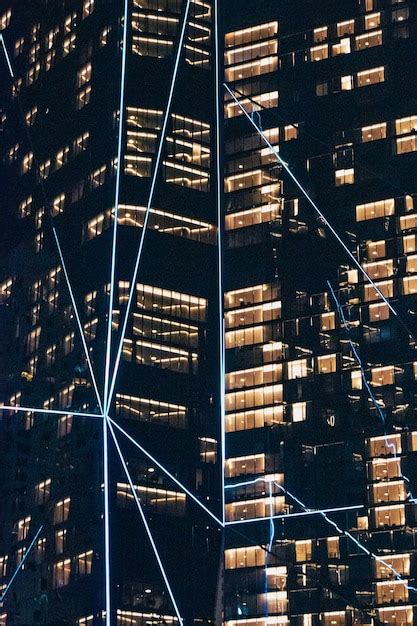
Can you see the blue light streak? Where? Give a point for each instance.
(19, 567)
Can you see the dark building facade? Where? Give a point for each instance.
(249, 350)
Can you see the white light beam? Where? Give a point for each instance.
(26, 409)
(148, 207)
(166, 471)
(19, 567)
(313, 204)
(145, 523)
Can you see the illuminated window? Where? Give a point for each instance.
(388, 516)
(410, 243)
(70, 43)
(299, 411)
(258, 418)
(61, 573)
(333, 547)
(345, 28)
(30, 116)
(27, 163)
(208, 449)
(258, 507)
(303, 550)
(379, 269)
(326, 364)
(43, 491)
(22, 528)
(3, 566)
(327, 321)
(251, 556)
(375, 249)
(406, 144)
(400, 15)
(297, 369)
(84, 563)
(98, 177)
(25, 207)
(378, 312)
(384, 446)
(291, 132)
(320, 34)
(369, 40)
(346, 83)
(389, 491)
(318, 53)
(343, 47)
(373, 210)
(70, 22)
(371, 77)
(383, 376)
(60, 540)
(18, 46)
(238, 466)
(374, 132)
(266, 395)
(356, 379)
(344, 177)
(373, 20)
(83, 97)
(84, 75)
(104, 36)
(61, 511)
(64, 425)
(88, 8)
(86, 621)
(409, 285)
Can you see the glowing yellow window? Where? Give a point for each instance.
(318, 53)
(374, 132)
(383, 376)
(371, 77)
(409, 285)
(344, 177)
(326, 364)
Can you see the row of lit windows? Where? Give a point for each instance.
(365, 78)
(161, 221)
(159, 500)
(361, 42)
(61, 573)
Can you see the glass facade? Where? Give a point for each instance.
(248, 349)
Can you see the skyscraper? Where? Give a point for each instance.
(207, 301)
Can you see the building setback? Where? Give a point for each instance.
(201, 140)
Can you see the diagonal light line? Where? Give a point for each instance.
(364, 549)
(166, 471)
(284, 164)
(6, 54)
(145, 523)
(116, 201)
(332, 523)
(368, 387)
(148, 207)
(77, 316)
(219, 191)
(26, 409)
(61, 256)
(19, 567)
